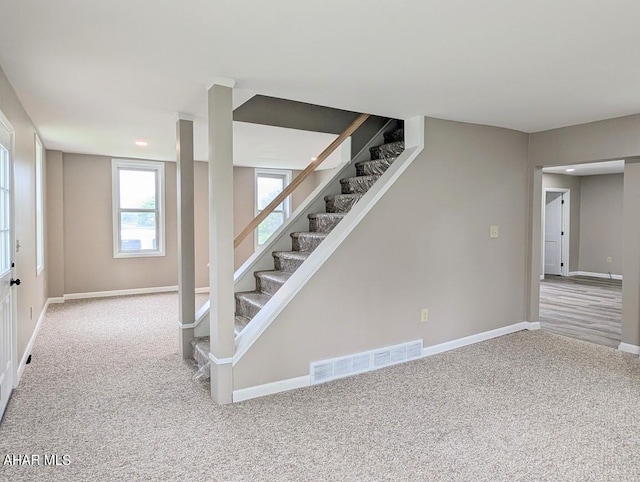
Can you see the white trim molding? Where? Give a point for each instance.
(158, 168)
(305, 380)
(628, 348)
(223, 81)
(479, 337)
(129, 292)
(186, 326)
(219, 361)
(29, 348)
(271, 388)
(596, 275)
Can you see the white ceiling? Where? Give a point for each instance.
(590, 169)
(256, 145)
(96, 75)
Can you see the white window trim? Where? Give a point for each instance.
(287, 202)
(140, 165)
(39, 192)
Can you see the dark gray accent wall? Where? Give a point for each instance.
(291, 114)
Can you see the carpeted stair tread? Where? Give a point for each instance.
(307, 241)
(201, 350)
(324, 222)
(289, 261)
(249, 303)
(374, 167)
(341, 203)
(392, 149)
(270, 281)
(394, 136)
(357, 184)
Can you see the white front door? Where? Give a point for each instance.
(6, 264)
(553, 233)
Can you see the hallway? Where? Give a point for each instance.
(589, 309)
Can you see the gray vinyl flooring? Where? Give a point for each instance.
(588, 309)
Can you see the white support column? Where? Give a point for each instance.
(186, 234)
(222, 313)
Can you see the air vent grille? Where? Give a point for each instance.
(326, 370)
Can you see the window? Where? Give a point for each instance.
(138, 208)
(39, 207)
(270, 183)
(5, 206)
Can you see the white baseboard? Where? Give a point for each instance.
(478, 337)
(305, 380)
(271, 388)
(596, 275)
(135, 291)
(32, 340)
(627, 348)
(56, 300)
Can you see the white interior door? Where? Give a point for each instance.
(6, 282)
(553, 233)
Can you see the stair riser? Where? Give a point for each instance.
(359, 186)
(305, 244)
(287, 264)
(200, 356)
(341, 205)
(386, 150)
(394, 136)
(323, 224)
(243, 308)
(267, 285)
(375, 168)
(240, 325)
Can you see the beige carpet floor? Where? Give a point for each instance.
(107, 389)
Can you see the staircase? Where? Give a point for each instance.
(249, 303)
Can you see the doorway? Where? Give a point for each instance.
(580, 296)
(7, 313)
(556, 228)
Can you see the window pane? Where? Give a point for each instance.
(268, 189)
(137, 189)
(269, 226)
(138, 231)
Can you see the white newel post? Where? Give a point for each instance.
(222, 312)
(186, 234)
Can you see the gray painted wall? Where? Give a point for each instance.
(424, 245)
(605, 140)
(601, 223)
(32, 293)
(80, 233)
(272, 111)
(596, 220)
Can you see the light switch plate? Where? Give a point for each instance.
(493, 231)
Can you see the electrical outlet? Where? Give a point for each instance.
(424, 316)
(493, 231)
(608, 259)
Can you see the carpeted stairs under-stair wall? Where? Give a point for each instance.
(249, 303)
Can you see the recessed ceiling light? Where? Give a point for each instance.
(570, 170)
(314, 158)
(142, 143)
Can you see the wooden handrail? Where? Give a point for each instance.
(299, 180)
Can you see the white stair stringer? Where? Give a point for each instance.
(414, 136)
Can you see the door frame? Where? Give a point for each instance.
(14, 295)
(566, 225)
